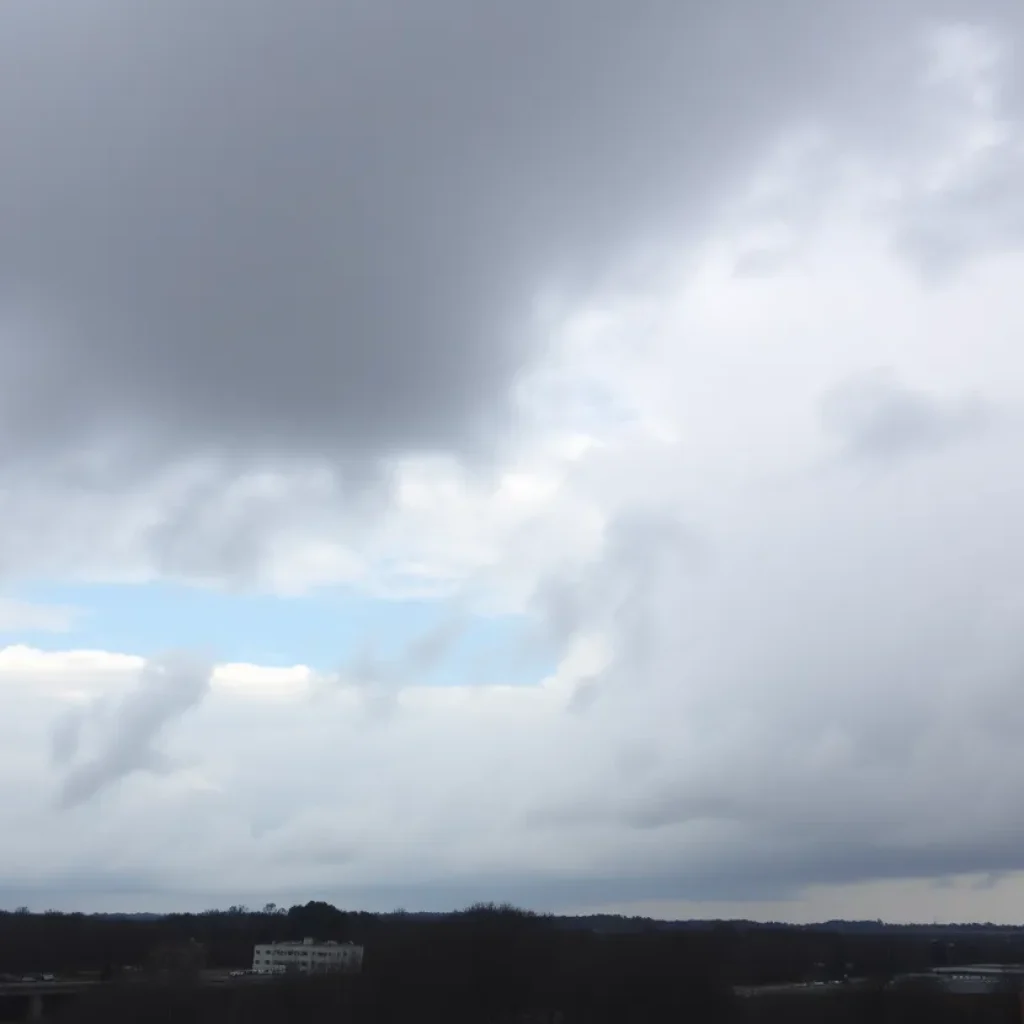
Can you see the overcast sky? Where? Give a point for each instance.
(566, 452)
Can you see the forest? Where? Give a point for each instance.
(498, 963)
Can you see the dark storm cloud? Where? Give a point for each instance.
(786, 865)
(782, 874)
(247, 225)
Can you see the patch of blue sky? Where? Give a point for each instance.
(325, 630)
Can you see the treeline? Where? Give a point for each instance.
(744, 954)
(487, 963)
(747, 953)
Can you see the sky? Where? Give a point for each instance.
(559, 453)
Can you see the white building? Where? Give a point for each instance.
(307, 956)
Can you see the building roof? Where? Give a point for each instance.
(982, 970)
(300, 943)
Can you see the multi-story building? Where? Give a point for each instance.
(307, 956)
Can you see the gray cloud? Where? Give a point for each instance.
(975, 206)
(979, 215)
(66, 736)
(253, 235)
(875, 416)
(240, 227)
(619, 591)
(127, 730)
(379, 680)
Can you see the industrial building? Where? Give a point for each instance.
(966, 979)
(307, 957)
(981, 977)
